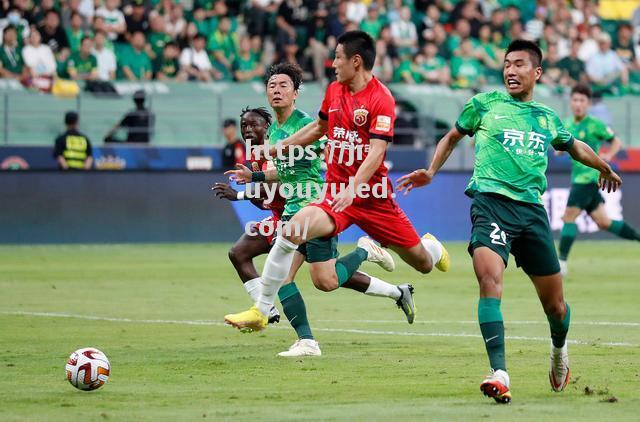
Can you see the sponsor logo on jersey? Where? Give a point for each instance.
(383, 123)
(360, 116)
(542, 121)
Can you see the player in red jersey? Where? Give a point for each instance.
(357, 116)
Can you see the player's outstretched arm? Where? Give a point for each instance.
(305, 136)
(583, 153)
(423, 177)
(364, 173)
(225, 191)
(243, 175)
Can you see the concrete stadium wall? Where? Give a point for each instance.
(109, 207)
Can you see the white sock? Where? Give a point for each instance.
(434, 248)
(275, 271)
(378, 287)
(253, 287)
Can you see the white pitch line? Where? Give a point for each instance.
(334, 330)
(374, 321)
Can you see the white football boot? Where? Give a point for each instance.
(496, 386)
(559, 368)
(303, 347)
(376, 254)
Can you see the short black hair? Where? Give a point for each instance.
(360, 43)
(70, 118)
(261, 111)
(292, 70)
(230, 121)
(85, 37)
(9, 28)
(171, 44)
(200, 35)
(530, 47)
(582, 89)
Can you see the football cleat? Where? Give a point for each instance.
(559, 369)
(406, 302)
(496, 386)
(274, 315)
(248, 321)
(274, 318)
(445, 261)
(376, 254)
(564, 268)
(303, 347)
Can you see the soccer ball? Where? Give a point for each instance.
(88, 369)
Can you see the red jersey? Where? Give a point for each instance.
(277, 206)
(353, 119)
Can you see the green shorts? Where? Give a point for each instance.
(321, 249)
(504, 225)
(585, 196)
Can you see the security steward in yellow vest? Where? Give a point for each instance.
(73, 149)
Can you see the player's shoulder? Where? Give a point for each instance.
(301, 117)
(594, 121)
(485, 100)
(550, 112)
(334, 88)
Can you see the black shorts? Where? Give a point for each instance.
(321, 249)
(520, 228)
(585, 196)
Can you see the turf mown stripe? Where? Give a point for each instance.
(599, 323)
(334, 330)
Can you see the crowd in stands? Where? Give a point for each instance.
(459, 43)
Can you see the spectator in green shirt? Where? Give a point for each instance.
(157, 38)
(245, 67)
(466, 70)
(434, 68)
(224, 46)
(12, 64)
(134, 62)
(166, 67)
(572, 67)
(83, 65)
(75, 32)
(372, 24)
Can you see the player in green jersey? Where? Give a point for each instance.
(283, 83)
(584, 194)
(512, 133)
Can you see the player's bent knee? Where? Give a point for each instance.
(603, 225)
(326, 284)
(490, 283)
(555, 309)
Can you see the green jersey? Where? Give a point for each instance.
(82, 65)
(303, 178)
(593, 132)
(512, 138)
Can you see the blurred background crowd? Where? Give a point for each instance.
(448, 42)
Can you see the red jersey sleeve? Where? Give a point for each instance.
(383, 118)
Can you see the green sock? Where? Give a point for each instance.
(492, 328)
(622, 229)
(559, 329)
(567, 236)
(349, 264)
(295, 310)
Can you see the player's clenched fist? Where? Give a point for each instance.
(415, 179)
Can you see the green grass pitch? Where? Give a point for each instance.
(156, 311)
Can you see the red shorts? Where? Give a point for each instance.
(382, 219)
(268, 225)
